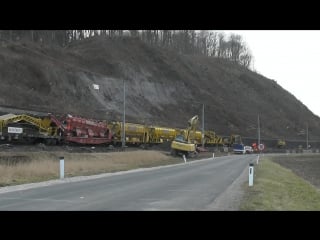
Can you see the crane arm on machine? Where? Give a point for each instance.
(192, 126)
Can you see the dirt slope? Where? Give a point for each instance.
(162, 87)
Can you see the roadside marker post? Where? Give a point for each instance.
(250, 174)
(184, 158)
(258, 159)
(61, 167)
(212, 155)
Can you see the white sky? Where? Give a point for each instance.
(290, 58)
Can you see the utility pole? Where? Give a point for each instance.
(202, 124)
(307, 137)
(258, 131)
(124, 116)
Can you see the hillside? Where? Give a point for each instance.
(162, 87)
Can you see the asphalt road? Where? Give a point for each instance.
(187, 186)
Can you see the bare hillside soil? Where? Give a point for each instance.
(305, 166)
(162, 87)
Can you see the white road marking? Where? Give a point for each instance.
(38, 199)
(180, 190)
(149, 199)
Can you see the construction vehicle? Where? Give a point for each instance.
(212, 139)
(81, 130)
(27, 128)
(237, 145)
(281, 143)
(141, 135)
(135, 134)
(198, 137)
(184, 143)
(255, 147)
(161, 134)
(239, 148)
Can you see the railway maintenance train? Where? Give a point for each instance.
(51, 130)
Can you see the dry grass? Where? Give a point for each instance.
(45, 165)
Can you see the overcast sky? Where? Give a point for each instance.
(289, 57)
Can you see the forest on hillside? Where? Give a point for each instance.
(208, 43)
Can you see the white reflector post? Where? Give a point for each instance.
(250, 174)
(61, 167)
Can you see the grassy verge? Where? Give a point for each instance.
(35, 167)
(278, 188)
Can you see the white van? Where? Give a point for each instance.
(248, 149)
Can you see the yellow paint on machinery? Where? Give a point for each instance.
(43, 124)
(161, 134)
(135, 133)
(198, 137)
(186, 147)
(185, 142)
(212, 138)
(281, 143)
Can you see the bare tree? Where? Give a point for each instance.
(212, 44)
(167, 38)
(202, 42)
(246, 57)
(235, 47)
(222, 45)
(111, 33)
(134, 33)
(207, 43)
(193, 44)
